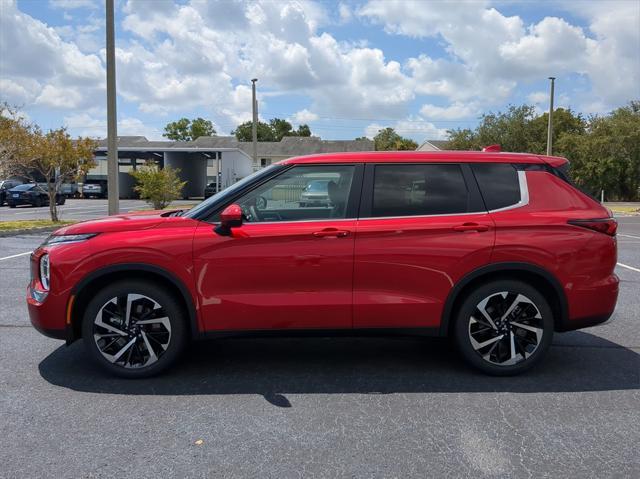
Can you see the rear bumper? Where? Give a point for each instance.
(19, 201)
(592, 305)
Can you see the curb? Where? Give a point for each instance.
(29, 231)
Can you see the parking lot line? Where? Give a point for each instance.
(629, 236)
(629, 267)
(15, 255)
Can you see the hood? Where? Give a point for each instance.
(139, 220)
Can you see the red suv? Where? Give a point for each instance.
(497, 250)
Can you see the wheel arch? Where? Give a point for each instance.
(532, 274)
(82, 291)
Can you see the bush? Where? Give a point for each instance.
(159, 187)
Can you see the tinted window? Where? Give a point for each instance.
(408, 190)
(498, 183)
(300, 193)
(24, 187)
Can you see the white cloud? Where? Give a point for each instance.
(94, 124)
(52, 72)
(415, 128)
(304, 116)
(455, 111)
(59, 97)
(491, 53)
(73, 4)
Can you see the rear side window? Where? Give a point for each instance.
(498, 183)
(412, 190)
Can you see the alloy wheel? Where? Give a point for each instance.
(506, 328)
(132, 331)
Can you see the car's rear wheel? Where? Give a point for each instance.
(134, 329)
(38, 202)
(503, 327)
(62, 200)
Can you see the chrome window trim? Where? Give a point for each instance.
(524, 200)
(524, 194)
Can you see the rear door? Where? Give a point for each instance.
(421, 228)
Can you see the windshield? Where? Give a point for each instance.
(230, 191)
(23, 187)
(318, 186)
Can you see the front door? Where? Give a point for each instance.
(423, 227)
(290, 265)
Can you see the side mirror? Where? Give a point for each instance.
(231, 217)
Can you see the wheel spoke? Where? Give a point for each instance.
(482, 308)
(513, 339)
(476, 345)
(152, 354)
(122, 343)
(108, 327)
(114, 358)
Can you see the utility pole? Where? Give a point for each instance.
(254, 127)
(112, 127)
(550, 126)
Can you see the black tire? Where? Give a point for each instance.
(38, 202)
(62, 200)
(12, 205)
(497, 358)
(170, 307)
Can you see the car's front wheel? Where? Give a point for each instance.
(504, 327)
(134, 329)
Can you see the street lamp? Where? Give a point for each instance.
(254, 126)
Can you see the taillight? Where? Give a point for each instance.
(608, 226)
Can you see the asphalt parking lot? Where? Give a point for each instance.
(398, 407)
(77, 210)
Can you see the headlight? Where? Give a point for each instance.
(56, 239)
(44, 271)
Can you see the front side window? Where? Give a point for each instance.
(300, 193)
(414, 190)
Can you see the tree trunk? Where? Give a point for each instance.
(53, 206)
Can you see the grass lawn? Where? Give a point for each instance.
(28, 224)
(625, 209)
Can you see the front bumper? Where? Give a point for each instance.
(48, 316)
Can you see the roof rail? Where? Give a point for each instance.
(492, 148)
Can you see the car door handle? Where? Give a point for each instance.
(331, 233)
(471, 227)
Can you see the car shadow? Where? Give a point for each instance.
(274, 368)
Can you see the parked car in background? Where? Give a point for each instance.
(5, 186)
(497, 250)
(94, 190)
(316, 193)
(209, 190)
(31, 194)
(69, 190)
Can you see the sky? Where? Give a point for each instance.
(345, 68)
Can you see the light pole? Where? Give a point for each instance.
(254, 126)
(550, 125)
(112, 128)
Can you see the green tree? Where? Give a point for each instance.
(27, 152)
(188, 130)
(607, 156)
(281, 128)
(388, 140)
(243, 132)
(303, 130)
(604, 151)
(159, 187)
(275, 130)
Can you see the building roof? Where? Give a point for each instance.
(287, 147)
(432, 145)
